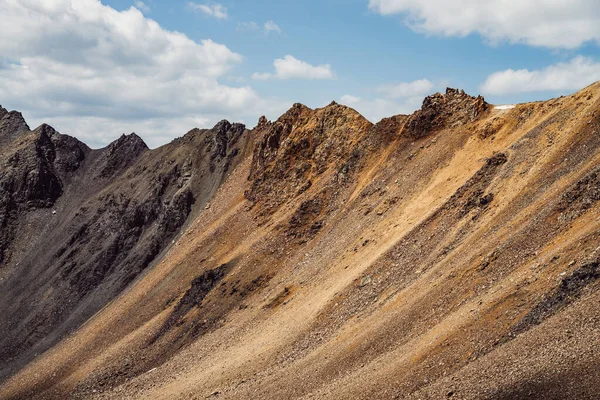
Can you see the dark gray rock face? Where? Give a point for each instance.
(11, 124)
(78, 225)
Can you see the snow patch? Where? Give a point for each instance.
(505, 107)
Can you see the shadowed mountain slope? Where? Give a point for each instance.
(79, 225)
(451, 253)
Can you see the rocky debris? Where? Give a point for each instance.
(281, 298)
(477, 201)
(306, 222)
(390, 128)
(440, 111)
(471, 195)
(492, 127)
(201, 286)
(365, 281)
(570, 289)
(581, 197)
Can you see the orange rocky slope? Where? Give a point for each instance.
(453, 253)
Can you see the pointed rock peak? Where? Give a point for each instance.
(73, 149)
(130, 143)
(14, 115)
(12, 123)
(3, 111)
(343, 114)
(45, 130)
(296, 108)
(262, 122)
(237, 127)
(121, 153)
(453, 108)
(225, 130)
(294, 113)
(222, 126)
(133, 138)
(339, 107)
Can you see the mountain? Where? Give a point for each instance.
(79, 225)
(451, 253)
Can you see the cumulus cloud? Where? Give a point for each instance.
(140, 5)
(248, 26)
(96, 131)
(349, 100)
(271, 26)
(552, 24)
(407, 89)
(268, 27)
(572, 75)
(84, 61)
(399, 98)
(290, 67)
(376, 109)
(213, 10)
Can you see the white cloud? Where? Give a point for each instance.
(419, 87)
(545, 23)
(140, 5)
(214, 10)
(98, 131)
(271, 26)
(268, 27)
(260, 76)
(376, 109)
(349, 100)
(572, 75)
(290, 67)
(85, 62)
(248, 26)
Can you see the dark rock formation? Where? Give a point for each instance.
(444, 110)
(121, 153)
(78, 225)
(33, 175)
(11, 124)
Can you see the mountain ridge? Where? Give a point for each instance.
(328, 257)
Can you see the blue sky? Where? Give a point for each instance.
(97, 69)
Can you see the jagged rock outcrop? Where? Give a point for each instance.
(226, 135)
(11, 124)
(445, 110)
(32, 176)
(78, 225)
(121, 154)
(300, 147)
